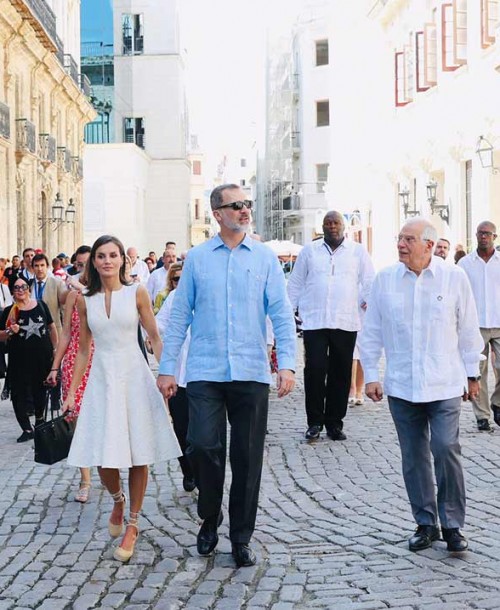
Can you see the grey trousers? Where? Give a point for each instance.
(481, 407)
(424, 429)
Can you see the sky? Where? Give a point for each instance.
(225, 42)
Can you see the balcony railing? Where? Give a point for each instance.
(47, 144)
(71, 67)
(60, 50)
(85, 85)
(25, 136)
(4, 120)
(42, 19)
(96, 49)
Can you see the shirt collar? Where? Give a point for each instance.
(496, 254)
(431, 268)
(217, 242)
(329, 248)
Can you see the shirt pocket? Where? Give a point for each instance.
(256, 283)
(442, 321)
(394, 304)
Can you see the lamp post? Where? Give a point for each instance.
(58, 216)
(404, 195)
(484, 150)
(443, 211)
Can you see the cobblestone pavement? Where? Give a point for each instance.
(331, 533)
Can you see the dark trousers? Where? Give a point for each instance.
(327, 375)
(179, 410)
(246, 404)
(24, 399)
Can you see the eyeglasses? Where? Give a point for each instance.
(20, 288)
(79, 265)
(176, 278)
(237, 205)
(485, 233)
(408, 239)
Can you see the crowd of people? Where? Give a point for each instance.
(78, 331)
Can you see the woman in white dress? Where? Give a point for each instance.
(123, 422)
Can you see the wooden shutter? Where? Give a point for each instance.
(489, 21)
(460, 32)
(430, 44)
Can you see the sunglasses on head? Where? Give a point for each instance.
(237, 205)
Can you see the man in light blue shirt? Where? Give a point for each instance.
(228, 287)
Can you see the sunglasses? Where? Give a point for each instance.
(237, 205)
(176, 278)
(21, 288)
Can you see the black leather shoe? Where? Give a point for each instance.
(207, 538)
(496, 414)
(423, 537)
(456, 542)
(335, 434)
(483, 425)
(25, 436)
(313, 433)
(243, 555)
(188, 483)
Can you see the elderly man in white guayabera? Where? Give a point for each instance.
(422, 313)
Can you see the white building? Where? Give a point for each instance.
(294, 173)
(150, 130)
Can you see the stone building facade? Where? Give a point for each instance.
(44, 107)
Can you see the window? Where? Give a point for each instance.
(454, 34)
(197, 209)
(133, 34)
(243, 162)
(197, 168)
(322, 52)
(321, 177)
(243, 182)
(430, 55)
(489, 22)
(403, 76)
(133, 131)
(323, 113)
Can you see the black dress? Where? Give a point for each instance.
(30, 358)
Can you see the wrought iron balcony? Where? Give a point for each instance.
(47, 144)
(71, 67)
(4, 120)
(25, 136)
(85, 85)
(42, 19)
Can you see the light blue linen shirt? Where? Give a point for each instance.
(225, 296)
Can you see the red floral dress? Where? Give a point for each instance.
(68, 364)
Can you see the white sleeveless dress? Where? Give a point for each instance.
(123, 420)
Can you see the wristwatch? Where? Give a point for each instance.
(474, 378)
(9, 332)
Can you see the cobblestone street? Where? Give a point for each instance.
(331, 532)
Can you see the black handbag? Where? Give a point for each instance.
(53, 438)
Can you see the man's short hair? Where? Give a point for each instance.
(429, 234)
(83, 250)
(216, 194)
(40, 257)
(170, 243)
(28, 250)
(444, 239)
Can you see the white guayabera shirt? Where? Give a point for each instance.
(327, 287)
(428, 328)
(485, 281)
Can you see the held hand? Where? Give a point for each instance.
(472, 391)
(51, 378)
(15, 328)
(167, 385)
(285, 382)
(374, 391)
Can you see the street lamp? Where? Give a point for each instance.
(404, 195)
(484, 150)
(442, 210)
(70, 212)
(58, 216)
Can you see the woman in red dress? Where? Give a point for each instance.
(67, 349)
